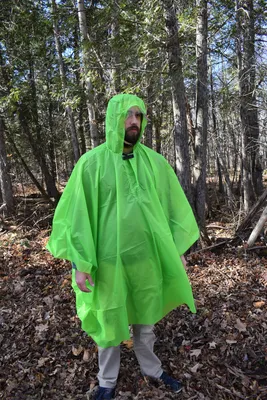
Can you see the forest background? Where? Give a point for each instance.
(201, 68)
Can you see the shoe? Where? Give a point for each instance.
(175, 385)
(103, 393)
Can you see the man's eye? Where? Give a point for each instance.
(137, 114)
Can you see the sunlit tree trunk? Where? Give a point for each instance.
(200, 145)
(115, 32)
(82, 103)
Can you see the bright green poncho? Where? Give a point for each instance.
(125, 222)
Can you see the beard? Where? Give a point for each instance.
(132, 135)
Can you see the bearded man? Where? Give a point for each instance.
(125, 223)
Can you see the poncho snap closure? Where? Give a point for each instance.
(126, 222)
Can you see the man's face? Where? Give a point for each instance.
(132, 126)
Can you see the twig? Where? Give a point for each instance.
(256, 248)
(43, 219)
(22, 223)
(211, 247)
(218, 226)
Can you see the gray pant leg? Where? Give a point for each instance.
(109, 366)
(144, 339)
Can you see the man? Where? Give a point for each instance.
(125, 223)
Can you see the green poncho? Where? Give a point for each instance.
(125, 222)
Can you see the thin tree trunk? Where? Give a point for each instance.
(5, 181)
(248, 108)
(51, 147)
(82, 103)
(74, 139)
(200, 148)
(182, 160)
(88, 83)
(157, 135)
(115, 32)
(219, 170)
(229, 192)
(149, 128)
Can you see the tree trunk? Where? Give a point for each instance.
(115, 65)
(157, 135)
(200, 147)
(149, 127)
(88, 83)
(251, 174)
(50, 145)
(182, 160)
(5, 181)
(219, 171)
(230, 197)
(68, 108)
(82, 104)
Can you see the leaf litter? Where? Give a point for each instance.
(219, 353)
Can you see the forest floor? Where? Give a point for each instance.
(218, 353)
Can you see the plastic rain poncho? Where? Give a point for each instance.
(125, 222)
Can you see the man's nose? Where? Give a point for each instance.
(134, 119)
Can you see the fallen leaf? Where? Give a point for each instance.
(195, 353)
(212, 345)
(240, 326)
(41, 328)
(77, 351)
(42, 361)
(86, 355)
(65, 283)
(48, 300)
(231, 341)
(195, 368)
(259, 304)
(128, 343)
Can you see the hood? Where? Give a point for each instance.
(115, 119)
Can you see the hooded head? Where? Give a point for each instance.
(117, 113)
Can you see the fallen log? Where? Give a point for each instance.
(246, 223)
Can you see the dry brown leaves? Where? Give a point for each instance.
(219, 353)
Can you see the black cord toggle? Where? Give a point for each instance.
(127, 156)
